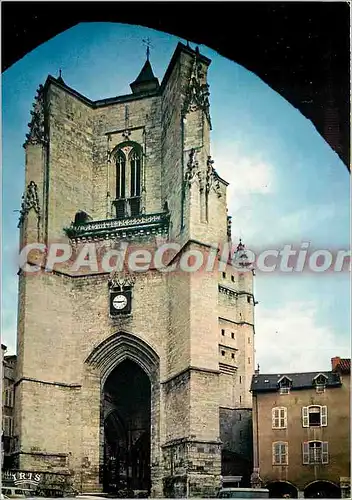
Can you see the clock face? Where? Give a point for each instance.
(119, 302)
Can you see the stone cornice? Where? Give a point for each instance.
(187, 370)
(58, 384)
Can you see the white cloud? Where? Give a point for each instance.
(308, 218)
(251, 179)
(289, 339)
(247, 174)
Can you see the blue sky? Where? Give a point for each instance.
(286, 184)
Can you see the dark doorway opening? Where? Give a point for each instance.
(127, 422)
(235, 470)
(322, 489)
(282, 489)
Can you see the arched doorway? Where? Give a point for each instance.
(282, 489)
(322, 489)
(127, 423)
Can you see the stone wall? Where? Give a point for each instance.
(67, 341)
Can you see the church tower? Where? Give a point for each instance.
(134, 361)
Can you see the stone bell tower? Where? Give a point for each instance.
(131, 379)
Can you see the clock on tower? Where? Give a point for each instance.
(120, 302)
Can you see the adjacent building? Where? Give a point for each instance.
(301, 429)
(8, 400)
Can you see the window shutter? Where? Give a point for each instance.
(324, 416)
(274, 414)
(284, 451)
(283, 418)
(305, 453)
(305, 418)
(325, 453)
(273, 453)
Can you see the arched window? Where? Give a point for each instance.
(120, 175)
(315, 452)
(128, 180)
(280, 453)
(279, 418)
(315, 416)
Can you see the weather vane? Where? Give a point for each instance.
(148, 44)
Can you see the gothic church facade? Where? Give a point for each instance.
(136, 380)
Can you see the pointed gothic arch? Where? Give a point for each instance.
(120, 346)
(128, 368)
(128, 157)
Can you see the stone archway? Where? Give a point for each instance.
(282, 489)
(322, 489)
(127, 421)
(128, 371)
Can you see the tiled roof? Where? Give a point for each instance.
(344, 366)
(269, 382)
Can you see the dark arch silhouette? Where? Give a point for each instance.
(278, 489)
(322, 489)
(300, 49)
(127, 429)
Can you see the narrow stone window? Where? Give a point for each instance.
(135, 191)
(120, 185)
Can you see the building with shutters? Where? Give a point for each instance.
(145, 381)
(301, 432)
(8, 367)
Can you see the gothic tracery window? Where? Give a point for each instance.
(128, 180)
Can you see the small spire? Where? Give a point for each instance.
(145, 81)
(240, 246)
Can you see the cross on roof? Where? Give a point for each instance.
(148, 44)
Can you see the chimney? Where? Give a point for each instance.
(335, 362)
(257, 370)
